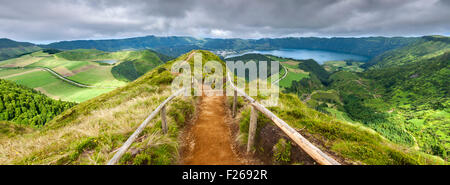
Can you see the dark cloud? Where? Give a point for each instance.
(49, 20)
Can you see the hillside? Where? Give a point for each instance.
(135, 63)
(406, 103)
(10, 49)
(94, 129)
(255, 58)
(425, 48)
(175, 46)
(26, 106)
(102, 71)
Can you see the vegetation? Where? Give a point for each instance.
(352, 66)
(175, 46)
(282, 151)
(255, 58)
(80, 66)
(424, 48)
(26, 106)
(90, 132)
(10, 49)
(11, 129)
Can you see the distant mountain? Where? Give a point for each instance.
(10, 49)
(424, 48)
(175, 46)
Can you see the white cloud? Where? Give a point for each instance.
(48, 20)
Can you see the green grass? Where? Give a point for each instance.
(11, 129)
(100, 76)
(292, 76)
(7, 72)
(90, 132)
(347, 139)
(332, 66)
(79, 66)
(56, 88)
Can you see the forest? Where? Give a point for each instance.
(26, 106)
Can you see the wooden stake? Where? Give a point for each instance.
(234, 103)
(163, 120)
(252, 128)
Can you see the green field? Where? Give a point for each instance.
(292, 76)
(80, 66)
(332, 66)
(56, 88)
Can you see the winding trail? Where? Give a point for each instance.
(284, 76)
(58, 76)
(209, 138)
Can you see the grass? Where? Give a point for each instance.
(292, 76)
(98, 76)
(90, 132)
(332, 66)
(56, 88)
(294, 73)
(10, 129)
(77, 65)
(354, 142)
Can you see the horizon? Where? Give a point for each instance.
(329, 37)
(46, 21)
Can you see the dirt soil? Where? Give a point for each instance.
(208, 140)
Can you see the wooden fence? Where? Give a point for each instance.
(301, 141)
(160, 109)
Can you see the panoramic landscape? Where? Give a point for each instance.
(104, 89)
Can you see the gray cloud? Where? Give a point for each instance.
(51, 20)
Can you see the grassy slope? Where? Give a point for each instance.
(417, 93)
(425, 48)
(332, 66)
(352, 141)
(10, 49)
(11, 129)
(80, 66)
(93, 129)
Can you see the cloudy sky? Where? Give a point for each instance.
(44, 21)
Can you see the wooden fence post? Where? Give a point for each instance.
(252, 128)
(234, 103)
(163, 120)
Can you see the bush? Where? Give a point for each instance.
(282, 151)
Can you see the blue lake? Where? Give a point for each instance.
(320, 56)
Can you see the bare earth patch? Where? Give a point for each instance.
(42, 90)
(290, 62)
(22, 73)
(63, 71)
(84, 68)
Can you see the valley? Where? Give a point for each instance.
(388, 106)
(76, 75)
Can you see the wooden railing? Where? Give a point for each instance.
(301, 141)
(160, 109)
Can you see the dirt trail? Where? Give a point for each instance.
(209, 138)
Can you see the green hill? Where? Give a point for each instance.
(91, 131)
(135, 63)
(425, 48)
(256, 58)
(104, 71)
(175, 46)
(10, 49)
